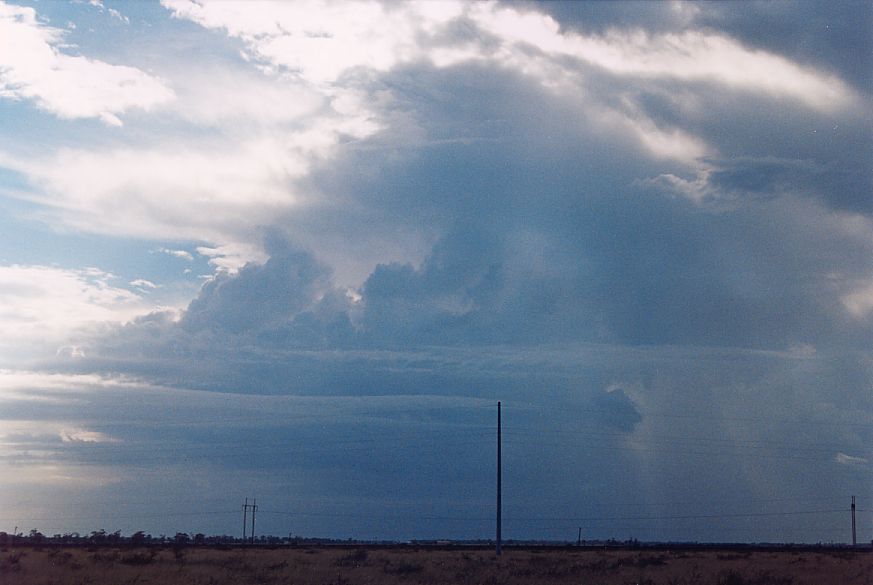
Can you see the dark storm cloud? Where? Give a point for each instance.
(676, 423)
(295, 302)
(548, 230)
(290, 283)
(833, 36)
(562, 245)
(841, 186)
(831, 148)
(617, 409)
(601, 16)
(668, 325)
(766, 149)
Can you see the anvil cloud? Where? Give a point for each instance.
(303, 248)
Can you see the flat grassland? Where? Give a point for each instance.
(407, 566)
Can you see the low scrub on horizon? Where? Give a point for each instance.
(359, 566)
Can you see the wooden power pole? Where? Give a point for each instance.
(499, 481)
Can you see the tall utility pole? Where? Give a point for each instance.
(499, 480)
(254, 509)
(579, 538)
(854, 542)
(245, 510)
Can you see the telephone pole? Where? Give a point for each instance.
(245, 510)
(854, 542)
(579, 538)
(254, 510)
(499, 480)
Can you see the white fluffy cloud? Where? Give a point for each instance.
(33, 67)
(215, 193)
(238, 163)
(144, 284)
(183, 254)
(859, 303)
(249, 99)
(231, 257)
(690, 56)
(321, 42)
(44, 305)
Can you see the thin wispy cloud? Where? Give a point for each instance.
(183, 254)
(143, 283)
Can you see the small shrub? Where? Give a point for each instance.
(104, 557)
(356, 558)
(237, 563)
(766, 578)
(642, 561)
(137, 559)
(59, 557)
(340, 580)
(403, 568)
(12, 563)
(731, 577)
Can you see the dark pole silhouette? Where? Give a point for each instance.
(499, 480)
(254, 509)
(854, 542)
(245, 510)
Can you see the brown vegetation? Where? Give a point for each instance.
(407, 566)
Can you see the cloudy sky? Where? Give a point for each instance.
(299, 251)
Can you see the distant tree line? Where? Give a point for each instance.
(139, 538)
(180, 539)
(183, 539)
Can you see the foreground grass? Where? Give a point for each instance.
(325, 566)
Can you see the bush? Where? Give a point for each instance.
(356, 558)
(403, 568)
(137, 559)
(12, 563)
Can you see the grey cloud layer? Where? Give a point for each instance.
(652, 269)
(548, 229)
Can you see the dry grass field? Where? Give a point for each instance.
(377, 566)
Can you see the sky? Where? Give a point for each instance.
(299, 251)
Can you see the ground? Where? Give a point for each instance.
(408, 566)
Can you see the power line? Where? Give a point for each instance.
(413, 516)
(566, 518)
(750, 443)
(439, 441)
(681, 517)
(698, 414)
